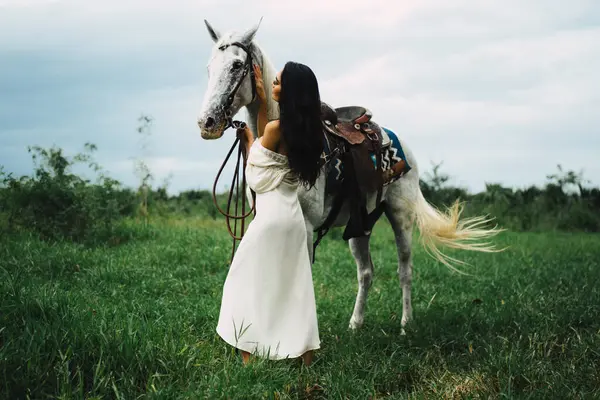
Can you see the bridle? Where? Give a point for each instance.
(235, 183)
(247, 69)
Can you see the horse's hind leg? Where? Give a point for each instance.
(402, 223)
(360, 251)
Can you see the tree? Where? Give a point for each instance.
(564, 179)
(141, 168)
(436, 179)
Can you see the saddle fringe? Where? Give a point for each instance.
(447, 229)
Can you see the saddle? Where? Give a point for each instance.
(357, 139)
(351, 123)
(358, 142)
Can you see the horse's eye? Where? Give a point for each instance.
(237, 64)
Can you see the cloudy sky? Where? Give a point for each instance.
(499, 90)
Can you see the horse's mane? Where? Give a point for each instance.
(268, 72)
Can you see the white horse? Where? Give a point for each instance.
(230, 88)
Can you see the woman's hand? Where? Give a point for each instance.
(246, 139)
(260, 84)
(244, 134)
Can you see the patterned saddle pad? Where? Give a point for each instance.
(393, 162)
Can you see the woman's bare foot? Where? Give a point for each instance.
(245, 357)
(307, 358)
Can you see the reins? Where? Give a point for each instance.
(235, 216)
(235, 182)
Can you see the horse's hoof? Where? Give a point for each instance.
(403, 325)
(354, 324)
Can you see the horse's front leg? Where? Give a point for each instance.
(364, 266)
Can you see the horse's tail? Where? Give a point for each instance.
(447, 229)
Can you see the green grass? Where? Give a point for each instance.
(138, 321)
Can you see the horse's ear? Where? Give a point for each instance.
(212, 32)
(249, 35)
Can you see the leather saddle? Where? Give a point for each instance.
(356, 141)
(359, 143)
(352, 123)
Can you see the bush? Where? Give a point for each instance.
(56, 203)
(553, 207)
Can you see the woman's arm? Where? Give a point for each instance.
(262, 100)
(246, 139)
(262, 118)
(269, 140)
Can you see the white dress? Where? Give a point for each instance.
(268, 305)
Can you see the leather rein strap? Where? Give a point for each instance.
(235, 182)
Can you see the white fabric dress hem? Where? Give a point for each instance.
(268, 304)
(252, 349)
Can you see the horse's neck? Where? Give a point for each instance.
(312, 201)
(268, 75)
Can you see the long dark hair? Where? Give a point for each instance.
(300, 121)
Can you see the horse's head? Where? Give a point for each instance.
(230, 80)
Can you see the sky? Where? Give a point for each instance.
(500, 91)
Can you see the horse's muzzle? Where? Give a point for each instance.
(210, 128)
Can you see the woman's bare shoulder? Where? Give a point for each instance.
(272, 135)
(273, 125)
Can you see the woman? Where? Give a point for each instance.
(268, 305)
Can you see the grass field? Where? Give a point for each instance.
(138, 320)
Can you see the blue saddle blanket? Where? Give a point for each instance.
(392, 155)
